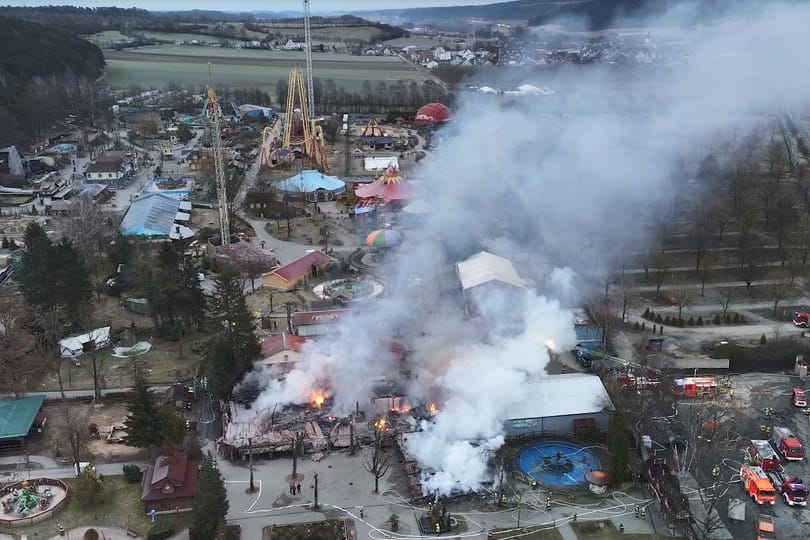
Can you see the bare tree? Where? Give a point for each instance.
(750, 266)
(96, 365)
(627, 297)
(700, 235)
(604, 317)
(51, 323)
(779, 292)
(776, 157)
(77, 428)
(16, 346)
(660, 270)
(726, 298)
(378, 464)
(706, 270)
(685, 297)
(87, 226)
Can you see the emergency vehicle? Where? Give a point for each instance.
(765, 528)
(791, 489)
(761, 453)
(797, 398)
(787, 444)
(801, 318)
(757, 484)
(704, 387)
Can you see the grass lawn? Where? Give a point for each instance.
(529, 533)
(121, 507)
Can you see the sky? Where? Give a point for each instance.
(256, 5)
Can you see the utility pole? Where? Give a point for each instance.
(315, 506)
(252, 487)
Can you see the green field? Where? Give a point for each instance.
(156, 66)
(327, 34)
(172, 37)
(108, 38)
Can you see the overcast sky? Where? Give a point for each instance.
(255, 5)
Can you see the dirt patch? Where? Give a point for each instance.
(55, 441)
(319, 530)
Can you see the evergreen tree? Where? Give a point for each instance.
(36, 268)
(210, 503)
(144, 423)
(232, 352)
(174, 427)
(618, 447)
(237, 324)
(75, 291)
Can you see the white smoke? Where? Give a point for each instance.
(564, 182)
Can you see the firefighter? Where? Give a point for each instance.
(638, 511)
(716, 471)
(642, 512)
(621, 527)
(438, 528)
(548, 501)
(362, 511)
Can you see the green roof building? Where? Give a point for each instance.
(20, 418)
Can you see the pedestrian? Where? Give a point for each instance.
(298, 489)
(292, 488)
(362, 510)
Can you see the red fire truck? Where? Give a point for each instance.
(757, 484)
(762, 454)
(801, 318)
(791, 489)
(787, 444)
(704, 387)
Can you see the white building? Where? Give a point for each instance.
(561, 404)
(70, 347)
(380, 163)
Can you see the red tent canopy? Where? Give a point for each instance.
(432, 113)
(389, 187)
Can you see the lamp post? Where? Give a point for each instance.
(252, 486)
(315, 506)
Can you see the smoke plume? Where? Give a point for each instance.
(560, 184)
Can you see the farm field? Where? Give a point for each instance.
(108, 38)
(156, 66)
(329, 34)
(172, 37)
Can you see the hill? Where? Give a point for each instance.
(37, 65)
(597, 14)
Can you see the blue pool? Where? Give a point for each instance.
(558, 463)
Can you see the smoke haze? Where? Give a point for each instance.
(543, 181)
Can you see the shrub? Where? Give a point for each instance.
(658, 318)
(394, 522)
(727, 319)
(691, 321)
(736, 318)
(763, 340)
(646, 313)
(660, 330)
(717, 319)
(743, 319)
(636, 326)
(90, 534)
(667, 321)
(700, 320)
(89, 487)
(643, 326)
(160, 531)
(132, 473)
(654, 329)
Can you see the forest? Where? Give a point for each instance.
(45, 74)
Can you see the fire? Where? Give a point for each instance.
(432, 408)
(380, 424)
(317, 398)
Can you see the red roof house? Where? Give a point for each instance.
(171, 483)
(282, 350)
(292, 274)
(317, 323)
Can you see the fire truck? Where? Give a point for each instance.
(704, 387)
(762, 454)
(801, 318)
(757, 484)
(765, 527)
(787, 444)
(797, 398)
(629, 381)
(791, 489)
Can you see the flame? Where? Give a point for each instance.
(380, 424)
(432, 408)
(317, 398)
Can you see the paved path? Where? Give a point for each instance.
(88, 393)
(105, 533)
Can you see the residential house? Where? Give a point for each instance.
(282, 350)
(171, 483)
(107, 170)
(297, 272)
(294, 44)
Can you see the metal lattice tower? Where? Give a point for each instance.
(214, 115)
(308, 52)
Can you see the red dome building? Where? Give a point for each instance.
(432, 113)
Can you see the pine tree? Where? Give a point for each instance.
(174, 427)
(220, 368)
(36, 267)
(75, 291)
(144, 423)
(210, 503)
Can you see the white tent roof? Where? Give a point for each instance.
(484, 267)
(74, 345)
(563, 395)
(185, 206)
(182, 216)
(380, 163)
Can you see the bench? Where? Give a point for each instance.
(132, 533)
